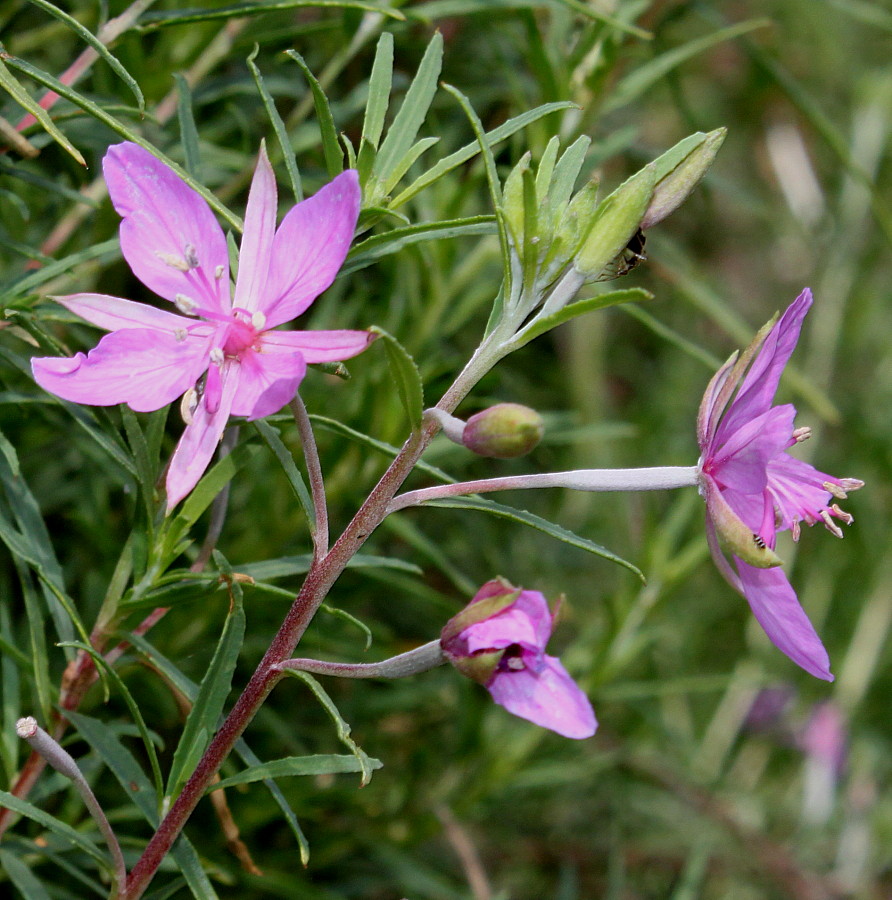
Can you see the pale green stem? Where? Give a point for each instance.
(659, 478)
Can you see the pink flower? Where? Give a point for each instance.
(499, 639)
(753, 488)
(222, 353)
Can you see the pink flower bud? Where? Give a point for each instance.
(498, 640)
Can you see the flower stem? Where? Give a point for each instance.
(319, 580)
(421, 659)
(652, 479)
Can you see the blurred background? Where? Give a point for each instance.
(720, 770)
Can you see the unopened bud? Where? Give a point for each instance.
(679, 171)
(615, 223)
(503, 431)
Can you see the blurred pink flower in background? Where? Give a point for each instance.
(222, 353)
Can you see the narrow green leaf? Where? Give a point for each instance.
(387, 243)
(438, 9)
(188, 130)
(537, 522)
(66, 832)
(146, 474)
(381, 446)
(206, 490)
(566, 172)
(112, 676)
(406, 163)
(13, 86)
(406, 376)
(239, 10)
(380, 84)
(103, 252)
(292, 473)
(413, 111)
(288, 566)
(89, 38)
(469, 151)
(495, 189)
(291, 766)
(331, 147)
(571, 311)
(366, 764)
(130, 776)
(644, 77)
(278, 126)
(40, 666)
(215, 687)
(22, 878)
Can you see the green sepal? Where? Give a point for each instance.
(615, 221)
(684, 166)
(478, 612)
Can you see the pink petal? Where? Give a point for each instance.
(199, 441)
(320, 346)
(142, 368)
(511, 626)
(776, 607)
(549, 698)
(309, 248)
(742, 462)
(167, 227)
(760, 384)
(257, 243)
(114, 313)
(267, 381)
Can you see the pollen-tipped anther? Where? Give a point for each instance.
(837, 490)
(191, 256)
(217, 356)
(258, 320)
(801, 434)
(831, 526)
(172, 260)
(218, 272)
(851, 484)
(186, 305)
(841, 514)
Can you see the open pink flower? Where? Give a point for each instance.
(753, 488)
(499, 639)
(222, 352)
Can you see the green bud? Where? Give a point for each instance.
(679, 171)
(503, 431)
(615, 222)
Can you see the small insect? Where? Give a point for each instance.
(627, 259)
(757, 540)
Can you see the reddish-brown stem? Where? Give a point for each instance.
(322, 575)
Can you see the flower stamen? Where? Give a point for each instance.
(831, 526)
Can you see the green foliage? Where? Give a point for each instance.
(550, 102)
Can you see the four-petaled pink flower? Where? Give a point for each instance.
(753, 488)
(499, 639)
(222, 352)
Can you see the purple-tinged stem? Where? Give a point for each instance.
(421, 659)
(62, 761)
(659, 478)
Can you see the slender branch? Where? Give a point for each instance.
(40, 742)
(659, 478)
(314, 473)
(421, 659)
